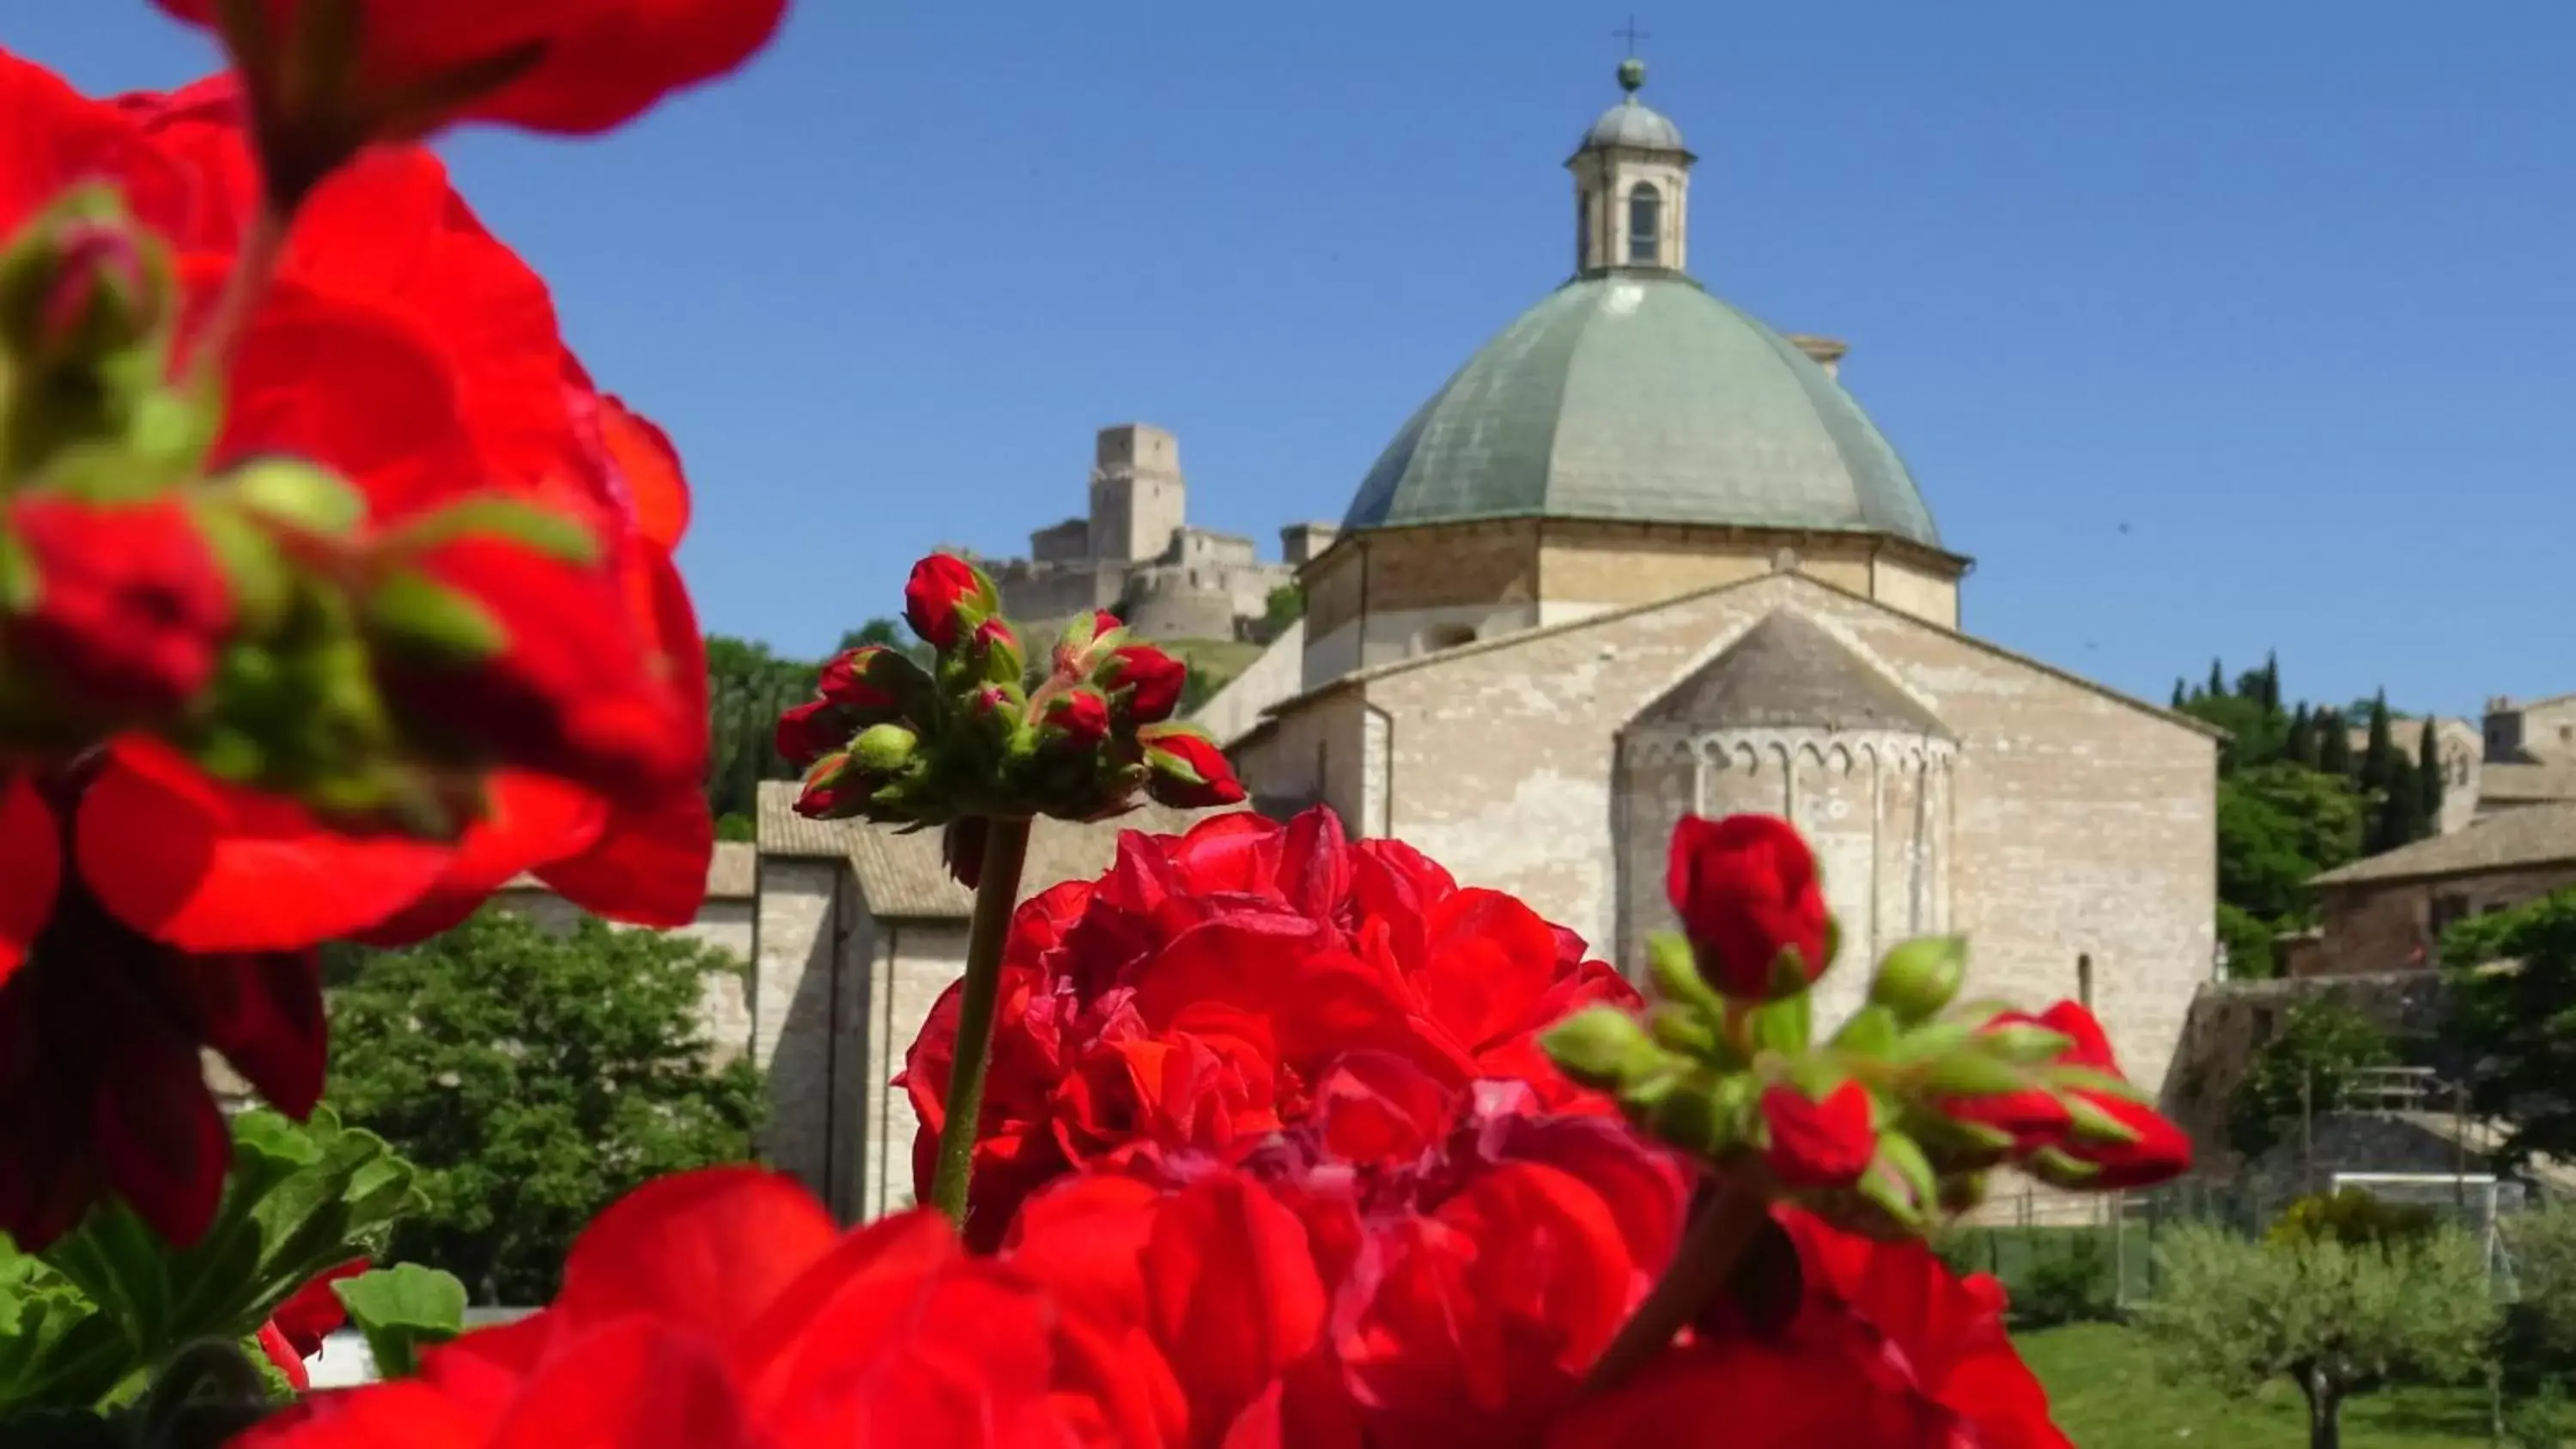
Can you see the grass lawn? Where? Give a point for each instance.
(2103, 1386)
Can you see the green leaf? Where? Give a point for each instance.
(1785, 1026)
(112, 1303)
(403, 1310)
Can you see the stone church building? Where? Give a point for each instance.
(1643, 555)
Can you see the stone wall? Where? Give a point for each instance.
(1394, 594)
(2229, 1021)
(1236, 709)
(808, 985)
(2081, 824)
(2372, 926)
(910, 964)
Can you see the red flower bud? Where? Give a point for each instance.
(1188, 771)
(996, 651)
(1076, 720)
(809, 731)
(1150, 679)
(852, 680)
(128, 605)
(1819, 1144)
(941, 586)
(1748, 896)
(2123, 1142)
(835, 788)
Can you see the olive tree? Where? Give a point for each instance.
(2336, 1320)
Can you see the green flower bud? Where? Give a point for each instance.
(884, 749)
(297, 494)
(1920, 977)
(2024, 1044)
(1602, 1047)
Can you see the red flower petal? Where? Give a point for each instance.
(713, 1248)
(209, 867)
(529, 821)
(31, 844)
(1231, 1287)
(263, 1011)
(638, 1384)
(159, 1138)
(290, 1362)
(651, 467)
(649, 867)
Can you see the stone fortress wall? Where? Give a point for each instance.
(1135, 551)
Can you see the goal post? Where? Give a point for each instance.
(2473, 1201)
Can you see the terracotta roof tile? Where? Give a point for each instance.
(2510, 840)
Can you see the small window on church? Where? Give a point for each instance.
(1447, 636)
(1583, 228)
(2084, 980)
(1645, 225)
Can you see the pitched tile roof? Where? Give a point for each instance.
(901, 876)
(2510, 840)
(1787, 671)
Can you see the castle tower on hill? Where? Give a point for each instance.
(1136, 553)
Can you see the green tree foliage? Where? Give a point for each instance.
(1285, 606)
(2278, 825)
(2293, 801)
(2512, 1019)
(747, 688)
(2334, 1320)
(2334, 743)
(2540, 1328)
(2353, 1217)
(2323, 1044)
(2247, 939)
(2428, 775)
(534, 1079)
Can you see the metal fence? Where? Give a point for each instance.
(2025, 1234)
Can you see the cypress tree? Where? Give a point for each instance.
(2217, 681)
(2269, 691)
(2179, 699)
(2334, 743)
(2300, 748)
(2428, 776)
(2379, 767)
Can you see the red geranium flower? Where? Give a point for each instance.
(1747, 893)
(2142, 1148)
(1449, 1284)
(1196, 994)
(574, 66)
(722, 1310)
(405, 348)
(296, 1330)
(1885, 1348)
(128, 607)
(102, 1030)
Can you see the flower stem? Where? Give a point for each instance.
(1006, 850)
(1716, 1238)
(263, 242)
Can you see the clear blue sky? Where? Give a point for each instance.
(2285, 288)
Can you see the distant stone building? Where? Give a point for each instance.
(2520, 754)
(2387, 912)
(1135, 552)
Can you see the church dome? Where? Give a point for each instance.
(1634, 124)
(1636, 396)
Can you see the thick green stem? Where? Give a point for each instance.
(1710, 1248)
(1006, 851)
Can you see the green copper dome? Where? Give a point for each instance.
(1636, 397)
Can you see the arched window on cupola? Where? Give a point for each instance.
(1645, 225)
